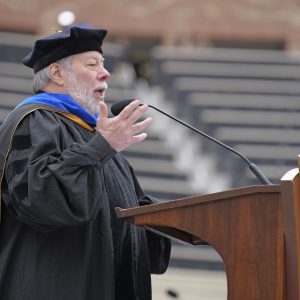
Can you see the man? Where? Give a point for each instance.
(64, 175)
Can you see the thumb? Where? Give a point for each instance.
(103, 114)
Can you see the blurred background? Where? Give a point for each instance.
(229, 68)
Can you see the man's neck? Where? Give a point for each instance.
(53, 88)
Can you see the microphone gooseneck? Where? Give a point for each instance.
(119, 106)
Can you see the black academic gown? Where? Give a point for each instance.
(59, 236)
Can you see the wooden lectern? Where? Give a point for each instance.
(255, 229)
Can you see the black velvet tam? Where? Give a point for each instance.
(62, 44)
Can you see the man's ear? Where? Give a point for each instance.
(57, 74)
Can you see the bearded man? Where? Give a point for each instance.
(63, 175)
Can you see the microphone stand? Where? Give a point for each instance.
(256, 171)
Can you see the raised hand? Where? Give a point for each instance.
(122, 131)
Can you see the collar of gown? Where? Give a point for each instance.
(64, 102)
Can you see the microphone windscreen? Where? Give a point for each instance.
(117, 107)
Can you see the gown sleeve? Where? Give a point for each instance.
(53, 181)
(159, 247)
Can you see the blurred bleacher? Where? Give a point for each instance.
(248, 99)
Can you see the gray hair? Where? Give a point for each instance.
(42, 77)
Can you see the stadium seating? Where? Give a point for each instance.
(248, 99)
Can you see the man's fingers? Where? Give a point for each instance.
(138, 138)
(133, 111)
(127, 111)
(137, 113)
(125, 129)
(103, 110)
(141, 125)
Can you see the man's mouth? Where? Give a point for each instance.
(101, 89)
(99, 92)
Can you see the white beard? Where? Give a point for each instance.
(83, 94)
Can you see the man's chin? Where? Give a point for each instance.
(99, 96)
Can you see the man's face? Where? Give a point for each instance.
(85, 80)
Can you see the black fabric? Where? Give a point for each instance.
(7, 130)
(21, 142)
(60, 238)
(17, 166)
(71, 41)
(21, 190)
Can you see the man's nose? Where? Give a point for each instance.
(103, 74)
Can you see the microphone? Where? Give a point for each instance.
(117, 107)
